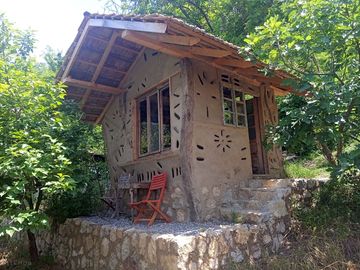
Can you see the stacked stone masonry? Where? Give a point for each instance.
(83, 244)
(95, 243)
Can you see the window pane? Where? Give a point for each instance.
(241, 120)
(228, 105)
(143, 127)
(240, 108)
(239, 96)
(166, 118)
(229, 118)
(227, 93)
(154, 123)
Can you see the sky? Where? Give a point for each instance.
(55, 22)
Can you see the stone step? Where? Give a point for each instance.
(269, 183)
(261, 194)
(240, 215)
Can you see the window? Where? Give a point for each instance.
(233, 107)
(154, 121)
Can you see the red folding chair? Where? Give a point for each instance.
(149, 208)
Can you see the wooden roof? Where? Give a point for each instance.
(107, 46)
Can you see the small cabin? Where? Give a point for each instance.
(171, 97)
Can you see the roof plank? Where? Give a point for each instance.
(152, 27)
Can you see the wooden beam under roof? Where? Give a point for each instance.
(152, 27)
(94, 86)
(218, 53)
(104, 56)
(101, 116)
(139, 38)
(76, 51)
(173, 39)
(234, 63)
(100, 66)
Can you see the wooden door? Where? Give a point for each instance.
(256, 148)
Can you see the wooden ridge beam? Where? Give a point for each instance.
(94, 86)
(152, 27)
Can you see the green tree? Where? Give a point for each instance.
(229, 19)
(319, 42)
(33, 164)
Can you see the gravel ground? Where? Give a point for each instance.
(175, 228)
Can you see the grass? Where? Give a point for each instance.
(314, 166)
(305, 250)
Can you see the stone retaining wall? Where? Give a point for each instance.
(83, 244)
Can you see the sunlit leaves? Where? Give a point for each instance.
(319, 42)
(33, 162)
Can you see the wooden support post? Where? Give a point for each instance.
(187, 136)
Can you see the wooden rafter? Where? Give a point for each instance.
(101, 116)
(94, 86)
(173, 39)
(100, 66)
(76, 51)
(105, 55)
(234, 63)
(218, 53)
(132, 66)
(153, 44)
(84, 98)
(94, 106)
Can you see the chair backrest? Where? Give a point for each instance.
(158, 182)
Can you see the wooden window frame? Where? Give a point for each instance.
(234, 112)
(146, 96)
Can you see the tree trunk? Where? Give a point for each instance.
(33, 250)
(328, 154)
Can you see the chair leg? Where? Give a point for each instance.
(152, 219)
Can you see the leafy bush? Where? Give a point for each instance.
(338, 201)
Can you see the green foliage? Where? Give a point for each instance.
(50, 161)
(33, 164)
(318, 41)
(228, 19)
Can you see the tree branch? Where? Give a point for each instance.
(340, 145)
(203, 14)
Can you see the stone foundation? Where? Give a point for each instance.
(82, 243)
(98, 243)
